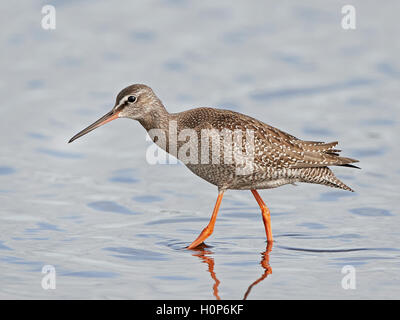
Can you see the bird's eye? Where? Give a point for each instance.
(131, 99)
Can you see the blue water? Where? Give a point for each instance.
(114, 226)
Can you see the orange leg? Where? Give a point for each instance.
(207, 231)
(265, 215)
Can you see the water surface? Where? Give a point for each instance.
(114, 226)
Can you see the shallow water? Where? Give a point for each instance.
(114, 226)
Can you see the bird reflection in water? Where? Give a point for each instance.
(201, 252)
(267, 268)
(204, 253)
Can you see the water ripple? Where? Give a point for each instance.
(91, 274)
(110, 206)
(323, 250)
(6, 171)
(136, 254)
(3, 247)
(371, 212)
(43, 226)
(60, 154)
(147, 199)
(294, 92)
(334, 196)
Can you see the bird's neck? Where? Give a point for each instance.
(161, 127)
(157, 119)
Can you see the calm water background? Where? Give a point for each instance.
(114, 226)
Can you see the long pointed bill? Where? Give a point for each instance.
(103, 120)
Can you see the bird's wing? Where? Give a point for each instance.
(276, 148)
(282, 150)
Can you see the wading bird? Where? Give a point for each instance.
(277, 158)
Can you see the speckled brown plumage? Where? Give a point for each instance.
(280, 158)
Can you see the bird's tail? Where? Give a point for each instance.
(332, 181)
(324, 176)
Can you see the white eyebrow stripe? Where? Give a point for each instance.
(122, 102)
(125, 99)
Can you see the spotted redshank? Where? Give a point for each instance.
(277, 158)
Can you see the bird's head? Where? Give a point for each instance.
(135, 102)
